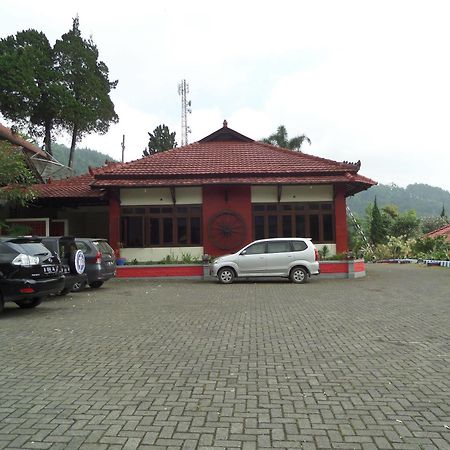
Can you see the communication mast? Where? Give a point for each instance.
(183, 90)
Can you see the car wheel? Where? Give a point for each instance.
(28, 303)
(2, 303)
(96, 284)
(226, 275)
(79, 286)
(298, 275)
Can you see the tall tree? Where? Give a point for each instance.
(280, 139)
(443, 212)
(376, 229)
(86, 79)
(160, 140)
(31, 94)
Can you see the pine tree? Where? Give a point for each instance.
(377, 232)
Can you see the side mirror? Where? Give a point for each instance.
(243, 253)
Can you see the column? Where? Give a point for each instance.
(114, 221)
(340, 219)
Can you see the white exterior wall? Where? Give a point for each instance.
(331, 248)
(160, 253)
(160, 196)
(290, 193)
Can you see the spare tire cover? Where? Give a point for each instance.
(77, 262)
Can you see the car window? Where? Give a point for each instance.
(255, 249)
(278, 247)
(30, 248)
(103, 246)
(299, 246)
(6, 249)
(82, 246)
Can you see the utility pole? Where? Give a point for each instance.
(183, 90)
(123, 148)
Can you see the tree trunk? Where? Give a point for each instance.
(72, 145)
(48, 137)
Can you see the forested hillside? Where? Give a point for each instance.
(426, 200)
(84, 157)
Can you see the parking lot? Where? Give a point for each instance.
(139, 364)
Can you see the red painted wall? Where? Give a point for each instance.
(340, 219)
(330, 267)
(114, 222)
(226, 198)
(159, 271)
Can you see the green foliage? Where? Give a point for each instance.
(83, 158)
(63, 88)
(426, 200)
(432, 248)
(280, 139)
(395, 248)
(86, 80)
(402, 247)
(406, 224)
(429, 224)
(324, 252)
(377, 230)
(31, 93)
(160, 140)
(14, 176)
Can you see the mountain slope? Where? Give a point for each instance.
(426, 200)
(83, 158)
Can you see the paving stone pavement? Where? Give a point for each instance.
(138, 364)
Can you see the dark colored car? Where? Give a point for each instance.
(72, 261)
(29, 272)
(100, 260)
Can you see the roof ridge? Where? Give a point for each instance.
(314, 157)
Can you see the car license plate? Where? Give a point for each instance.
(50, 269)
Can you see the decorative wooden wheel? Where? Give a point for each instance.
(226, 230)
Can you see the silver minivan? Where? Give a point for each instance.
(293, 258)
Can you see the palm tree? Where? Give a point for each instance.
(280, 139)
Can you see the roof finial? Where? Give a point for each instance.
(225, 124)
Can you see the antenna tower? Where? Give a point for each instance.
(183, 90)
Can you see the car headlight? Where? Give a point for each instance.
(25, 260)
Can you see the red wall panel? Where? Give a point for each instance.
(234, 199)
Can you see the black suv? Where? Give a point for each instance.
(72, 261)
(28, 272)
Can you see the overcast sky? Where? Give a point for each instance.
(366, 80)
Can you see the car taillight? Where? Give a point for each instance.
(27, 290)
(316, 254)
(98, 258)
(25, 260)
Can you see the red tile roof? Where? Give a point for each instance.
(73, 187)
(219, 158)
(225, 156)
(443, 231)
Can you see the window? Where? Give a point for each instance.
(256, 249)
(154, 226)
(279, 247)
(299, 246)
(314, 220)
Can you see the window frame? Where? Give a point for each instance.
(191, 214)
(307, 210)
